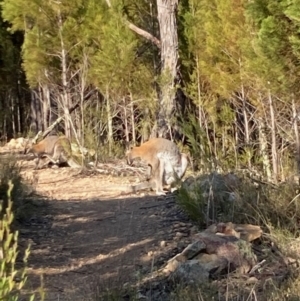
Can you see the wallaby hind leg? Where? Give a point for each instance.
(158, 173)
(148, 172)
(59, 155)
(51, 159)
(63, 154)
(156, 179)
(45, 161)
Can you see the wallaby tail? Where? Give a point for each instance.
(73, 164)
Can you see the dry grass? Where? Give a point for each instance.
(276, 210)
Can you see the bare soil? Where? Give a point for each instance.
(86, 237)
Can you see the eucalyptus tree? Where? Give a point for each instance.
(164, 35)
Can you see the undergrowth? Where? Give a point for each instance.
(208, 199)
(13, 261)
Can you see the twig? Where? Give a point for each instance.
(257, 266)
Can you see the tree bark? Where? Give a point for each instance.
(167, 13)
(263, 148)
(168, 45)
(297, 139)
(109, 123)
(273, 135)
(66, 101)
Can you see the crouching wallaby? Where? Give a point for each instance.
(54, 149)
(166, 164)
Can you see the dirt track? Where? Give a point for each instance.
(90, 238)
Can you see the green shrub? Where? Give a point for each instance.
(12, 279)
(273, 207)
(10, 172)
(207, 199)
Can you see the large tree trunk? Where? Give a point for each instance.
(167, 10)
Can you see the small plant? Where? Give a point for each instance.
(192, 202)
(207, 199)
(12, 279)
(10, 171)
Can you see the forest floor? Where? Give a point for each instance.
(86, 237)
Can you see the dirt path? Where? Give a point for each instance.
(90, 238)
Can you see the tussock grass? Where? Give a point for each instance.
(276, 209)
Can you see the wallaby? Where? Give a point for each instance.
(166, 165)
(54, 148)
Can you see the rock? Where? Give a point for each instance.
(193, 249)
(222, 186)
(227, 229)
(163, 243)
(174, 263)
(215, 251)
(237, 252)
(194, 229)
(252, 280)
(190, 272)
(248, 232)
(212, 262)
(179, 234)
(140, 296)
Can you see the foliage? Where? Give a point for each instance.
(12, 278)
(197, 142)
(208, 199)
(10, 171)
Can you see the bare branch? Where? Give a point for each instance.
(139, 31)
(108, 3)
(144, 34)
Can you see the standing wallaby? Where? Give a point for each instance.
(54, 148)
(166, 164)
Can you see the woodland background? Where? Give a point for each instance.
(220, 77)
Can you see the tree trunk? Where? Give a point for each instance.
(246, 123)
(109, 123)
(273, 135)
(168, 45)
(167, 10)
(297, 141)
(263, 148)
(132, 121)
(126, 120)
(36, 111)
(66, 101)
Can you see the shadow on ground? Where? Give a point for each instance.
(84, 246)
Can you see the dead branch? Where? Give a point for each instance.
(53, 125)
(144, 34)
(139, 31)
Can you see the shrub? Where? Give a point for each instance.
(12, 279)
